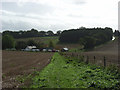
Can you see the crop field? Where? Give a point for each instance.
(18, 63)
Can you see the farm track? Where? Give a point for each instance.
(19, 63)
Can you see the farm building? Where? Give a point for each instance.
(31, 48)
(47, 49)
(64, 50)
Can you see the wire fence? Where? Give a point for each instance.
(102, 60)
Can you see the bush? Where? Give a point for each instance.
(31, 43)
(88, 42)
(51, 45)
(21, 45)
(8, 42)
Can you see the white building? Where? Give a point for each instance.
(31, 48)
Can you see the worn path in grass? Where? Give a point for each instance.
(70, 73)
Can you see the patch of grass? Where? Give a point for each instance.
(23, 78)
(3, 76)
(76, 50)
(44, 40)
(69, 73)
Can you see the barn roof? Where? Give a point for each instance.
(31, 47)
(65, 49)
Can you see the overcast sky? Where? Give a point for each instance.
(58, 14)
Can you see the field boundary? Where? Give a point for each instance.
(101, 60)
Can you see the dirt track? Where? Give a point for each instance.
(17, 63)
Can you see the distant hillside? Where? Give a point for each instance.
(44, 40)
(111, 46)
(54, 39)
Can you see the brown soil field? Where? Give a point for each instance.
(19, 63)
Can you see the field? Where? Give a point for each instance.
(44, 40)
(26, 69)
(108, 52)
(73, 73)
(18, 63)
(54, 39)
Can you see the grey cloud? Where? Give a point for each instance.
(22, 25)
(27, 7)
(10, 25)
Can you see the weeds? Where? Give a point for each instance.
(72, 73)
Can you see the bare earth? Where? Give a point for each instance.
(18, 63)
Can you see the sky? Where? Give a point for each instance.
(58, 14)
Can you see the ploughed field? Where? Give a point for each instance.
(19, 63)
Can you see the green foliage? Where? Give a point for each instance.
(31, 43)
(51, 45)
(96, 36)
(68, 73)
(59, 32)
(23, 78)
(8, 42)
(88, 42)
(50, 33)
(116, 33)
(29, 33)
(21, 45)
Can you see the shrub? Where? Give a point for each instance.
(8, 42)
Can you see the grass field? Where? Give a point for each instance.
(55, 40)
(44, 40)
(69, 73)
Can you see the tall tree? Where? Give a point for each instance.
(8, 42)
(50, 33)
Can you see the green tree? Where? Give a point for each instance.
(21, 45)
(31, 43)
(59, 32)
(88, 42)
(8, 42)
(51, 45)
(50, 33)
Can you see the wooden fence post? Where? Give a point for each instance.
(83, 58)
(87, 59)
(104, 61)
(78, 56)
(94, 59)
(72, 54)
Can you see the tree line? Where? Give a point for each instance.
(8, 42)
(30, 33)
(89, 37)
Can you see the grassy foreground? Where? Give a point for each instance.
(68, 73)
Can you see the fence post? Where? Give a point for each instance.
(78, 56)
(83, 58)
(94, 59)
(104, 61)
(87, 59)
(72, 54)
